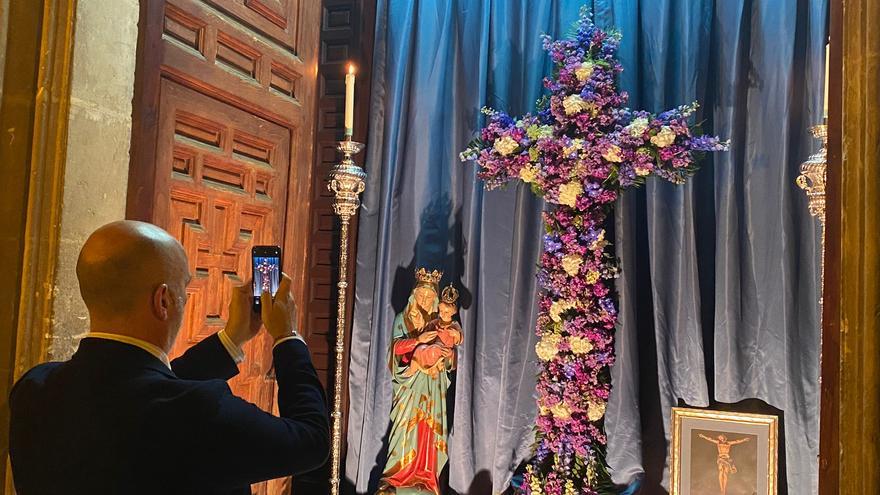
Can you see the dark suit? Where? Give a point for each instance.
(115, 420)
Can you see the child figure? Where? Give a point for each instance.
(438, 353)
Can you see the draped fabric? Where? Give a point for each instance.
(720, 277)
(719, 290)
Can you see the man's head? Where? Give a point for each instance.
(133, 278)
(722, 438)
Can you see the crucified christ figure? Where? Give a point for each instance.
(726, 467)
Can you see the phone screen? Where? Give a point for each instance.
(267, 271)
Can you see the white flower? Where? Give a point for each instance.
(505, 145)
(664, 138)
(569, 193)
(548, 346)
(596, 410)
(642, 170)
(637, 127)
(580, 345)
(575, 104)
(560, 410)
(584, 71)
(528, 174)
(571, 263)
(612, 154)
(559, 307)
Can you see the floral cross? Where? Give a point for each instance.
(265, 268)
(578, 152)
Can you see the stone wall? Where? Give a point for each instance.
(99, 136)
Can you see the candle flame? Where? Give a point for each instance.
(351, 68)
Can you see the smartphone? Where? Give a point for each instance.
(266, 262)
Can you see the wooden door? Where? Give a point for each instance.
(222, 150)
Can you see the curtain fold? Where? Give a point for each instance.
(718, 297)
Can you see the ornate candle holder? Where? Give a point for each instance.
(812, 178)
(346, 180)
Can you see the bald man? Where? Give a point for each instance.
(119, 418)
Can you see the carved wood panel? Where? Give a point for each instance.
(222, 146)
(276, 19)
(226, 172)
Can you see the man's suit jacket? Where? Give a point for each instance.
(115, 420)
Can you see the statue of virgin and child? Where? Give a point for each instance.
(422, 355)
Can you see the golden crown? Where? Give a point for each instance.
(449, 295)
(425, 277)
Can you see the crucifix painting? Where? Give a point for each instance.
(726, 466)
(579, 152)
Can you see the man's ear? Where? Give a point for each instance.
(161, 302)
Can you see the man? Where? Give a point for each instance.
(118, 418)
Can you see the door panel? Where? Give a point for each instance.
(226, 172)
(222, 151)
(276, 19)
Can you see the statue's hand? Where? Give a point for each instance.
(427, 337)
(451, 337)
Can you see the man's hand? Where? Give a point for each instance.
(243, 324)
(279, 313)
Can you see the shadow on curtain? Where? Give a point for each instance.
(719, 290)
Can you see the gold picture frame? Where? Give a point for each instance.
(723, 453)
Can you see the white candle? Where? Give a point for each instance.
(827, 71)
(349, 101)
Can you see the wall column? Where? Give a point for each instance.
(859, 258)
(99, 136)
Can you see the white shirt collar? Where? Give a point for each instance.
(125, 339)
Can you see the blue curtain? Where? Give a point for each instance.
(719, 289)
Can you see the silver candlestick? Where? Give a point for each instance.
(346, 180)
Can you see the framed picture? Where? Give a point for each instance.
(723, 453)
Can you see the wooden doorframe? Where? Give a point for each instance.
(145, 117)
(36, 102)
(850, 419)
(829, 449)
(50, 103)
